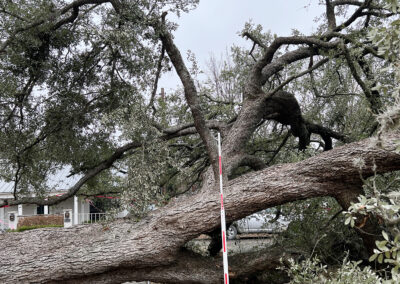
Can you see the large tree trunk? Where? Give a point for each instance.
(152, 245)
(192, 268)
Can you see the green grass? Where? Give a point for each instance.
(25, 228)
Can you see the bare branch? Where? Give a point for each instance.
(336, 94)
(2, 10)
(276, 152)
(157, 77)
(212, 124)
(288, 80)
(254, 39)
(70, 19)
(353, 69)
(354, 16)
(280, 63)
(218, 101)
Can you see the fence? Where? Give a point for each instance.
(88, 218)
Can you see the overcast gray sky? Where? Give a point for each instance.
(213, 27)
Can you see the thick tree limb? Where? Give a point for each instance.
(190, 90)
(277, 43)
(83, 251)
(289, 57)
(203, 269)
(330, 15)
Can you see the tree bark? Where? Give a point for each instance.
(201, 269)
(87, 251)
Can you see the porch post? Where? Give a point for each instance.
(20, 210)
(2, 218)
(76, 210)
(83, 211)
(46, 209)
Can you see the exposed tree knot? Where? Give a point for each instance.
(285, 109)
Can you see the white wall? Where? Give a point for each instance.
(85, 206)
(58, 209)
(29, 209)
(10, 209)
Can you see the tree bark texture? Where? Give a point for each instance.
(145, 248)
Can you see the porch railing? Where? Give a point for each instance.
(88, 218)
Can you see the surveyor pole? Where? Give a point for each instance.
(223, 224)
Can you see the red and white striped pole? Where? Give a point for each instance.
(223, 224)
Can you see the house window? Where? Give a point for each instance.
(40, 210)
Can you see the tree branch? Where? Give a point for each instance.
(367, 91)
(253, 162)
(330, 14)
(288, 80)
(74, 189)
(354, 16)
(277, 43)
(168, 134)
(276, 152)
(157, 76)
(190, 92)
(254, 39)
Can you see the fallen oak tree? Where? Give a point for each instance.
(151, 246)
(88, 252)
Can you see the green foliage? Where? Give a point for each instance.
(68, 89)
(387, 38)
(383, 204)
(317, 229)
(312, 271)
(386, 207)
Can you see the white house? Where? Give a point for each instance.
(78, 206)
